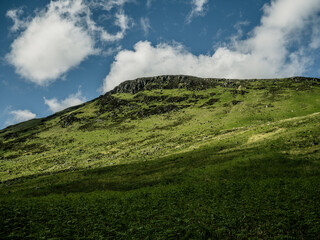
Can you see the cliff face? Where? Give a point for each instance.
(195, 83)
(164, 82)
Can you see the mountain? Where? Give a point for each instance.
(169, 157)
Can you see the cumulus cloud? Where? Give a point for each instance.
(56, 105)
(59, 38)
(20, 116)
(272, 49)
(198, 9)
(145, 24)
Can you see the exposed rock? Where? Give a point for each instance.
(235, 102)
(68, 120)
(211, 102)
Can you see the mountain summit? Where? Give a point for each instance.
(148, 118)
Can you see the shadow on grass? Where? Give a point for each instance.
(202, 164)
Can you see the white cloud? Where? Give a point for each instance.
(145, 24)
(20, 116)
(52, 43)
(49, 48)
(56, 105)
(59, 38)
(266, 53)
(198, 9)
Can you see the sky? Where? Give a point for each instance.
(60, 53)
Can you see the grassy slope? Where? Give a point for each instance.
(221, 161)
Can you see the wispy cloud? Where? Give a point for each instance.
(273, 49)
(145, 24)
(59, 38)
(315, 38)
(149, 2)
(20, 116)
(109, 4)
(198, 9)
(56, 105)
(122, 21)
(18, 24)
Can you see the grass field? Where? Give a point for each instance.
(174, 158)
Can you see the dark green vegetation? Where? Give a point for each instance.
(170, 157)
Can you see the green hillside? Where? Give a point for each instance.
(169, 157)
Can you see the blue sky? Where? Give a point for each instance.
(56, 54)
